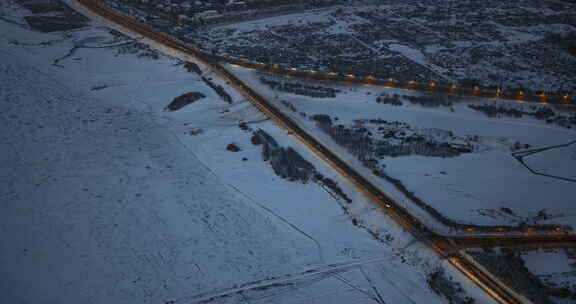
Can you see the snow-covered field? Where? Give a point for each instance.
(555, 268)
(553, 162)
(546, 276)
(107, 198)
(485, 187)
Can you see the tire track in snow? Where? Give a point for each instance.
(333, 268)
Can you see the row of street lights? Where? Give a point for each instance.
(476, 90)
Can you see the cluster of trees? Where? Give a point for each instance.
(184, 100)
(290, 165)
(288, 105)
(322, 119)
(564, 121)
(566, 41)
(232, 147)
(379, 121)
(332, 185)
(389, 99)
(496, 111)
(435, 100)
(301, 89)
(140, 49)
(424, 148)
(548, 115)
(192, 67)
(538, 112)
(286, 162)
(447, 288)
(359, 142)
(511, 269)
(394, 143)
(519, 146)
(218, 89)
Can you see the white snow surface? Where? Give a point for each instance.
(470, 188)
(107, 198)
(555, 268)
(553, 162)
(545, 262)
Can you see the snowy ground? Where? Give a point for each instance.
(545, 276)
(471, 188)
(553, 162)
(555, 268)
(109, 199)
